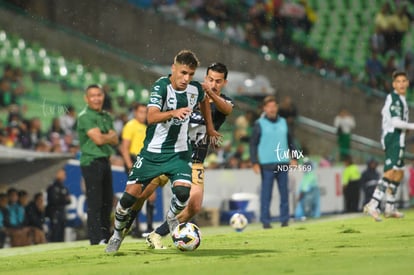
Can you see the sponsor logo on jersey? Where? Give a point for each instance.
(177, 121)
(155, 100)
(192, 100)
(171, 101)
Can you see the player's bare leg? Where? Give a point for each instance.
(194, 204)
(150, 206)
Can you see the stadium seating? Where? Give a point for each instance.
(52, 80)
(342, 31)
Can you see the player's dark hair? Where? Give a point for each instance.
(92, 86)
(396, 74)
(187, 57)
(218, 67)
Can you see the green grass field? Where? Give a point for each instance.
(334, 245)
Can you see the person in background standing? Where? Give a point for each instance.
(308, 203)
(269, 145)
(96, 138)
(369, 179)
(344, 123)
(351, 185)
(57, 198)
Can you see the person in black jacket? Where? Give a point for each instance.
(35, 218)
(57, 198)
(369, 179)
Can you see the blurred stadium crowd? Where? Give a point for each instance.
(353, 41)
(303, 32)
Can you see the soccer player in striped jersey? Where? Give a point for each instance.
(394, 127)
(221, 106)
(167, 149)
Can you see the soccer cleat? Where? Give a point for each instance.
(154, 241)
(113, 244)
(172, 223)
(373, 212)
(394, 214)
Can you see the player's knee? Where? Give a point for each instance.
(392, 187)
(127, 200)
(182, 193)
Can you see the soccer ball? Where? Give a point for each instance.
(186, 236)
(239, 222)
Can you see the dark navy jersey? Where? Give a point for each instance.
(197, 131)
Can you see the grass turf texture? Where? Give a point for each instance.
(337, 245)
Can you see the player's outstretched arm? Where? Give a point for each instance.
(222, 105)
(400, 124)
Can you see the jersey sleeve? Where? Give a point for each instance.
(157, 95)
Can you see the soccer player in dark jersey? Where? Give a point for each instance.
(221, 106)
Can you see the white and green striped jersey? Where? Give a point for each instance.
(171, 136)
(395, 106)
